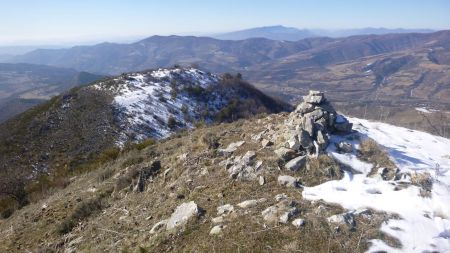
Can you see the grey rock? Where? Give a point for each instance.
(342, 219)
(281, 196)
(218, 219)
(305, 139)
(322, 140)
(158, 227)
(296, 163)
(225, 209)
(266, 143)
(217, 230)
(304, 108)
(182, 214)
(345, 147)
(288, 181)
(280, 212)
(251, 203)
(249, 157)
(285, 153)
(293, 143)
(342, 125)
(287, 215)
(308, 125)
(231, 148)
(262, 181)
(298, 223)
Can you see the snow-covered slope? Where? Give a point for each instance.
(146, 101)
(424, 224)
(156, 103)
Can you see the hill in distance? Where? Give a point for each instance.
(73, 129)
(23, 86)
(280, 32)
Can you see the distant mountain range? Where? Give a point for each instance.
(280, 67)
(293, 34)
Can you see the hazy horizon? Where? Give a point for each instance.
(51, 22)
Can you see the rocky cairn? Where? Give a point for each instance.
(308, 129)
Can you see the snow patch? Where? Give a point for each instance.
(424, 223)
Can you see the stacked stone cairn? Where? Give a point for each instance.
(308, 129)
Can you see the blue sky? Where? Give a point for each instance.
(61, 21)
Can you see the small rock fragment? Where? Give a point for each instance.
(288, 181)
(298, 223)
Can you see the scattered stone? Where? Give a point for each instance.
(262, 181)
(182, 214)
(281, 196)
(251, 203)
(345, 147)
(280, 212)
(288, 181)
(225, 209)
(341, 219)
(216, 220)
(249, 157)
(298, 223)
(285, 153)
(266, 143)
(158, 227)
(231, 148)
(217, 230)
(286, 216)
(296, 163)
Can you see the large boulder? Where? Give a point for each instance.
(182, 214)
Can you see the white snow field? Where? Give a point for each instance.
(424, 224)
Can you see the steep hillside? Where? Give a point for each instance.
(305, 181)
(86, 125)
(23, 86)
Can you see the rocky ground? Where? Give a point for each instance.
(235, 187)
